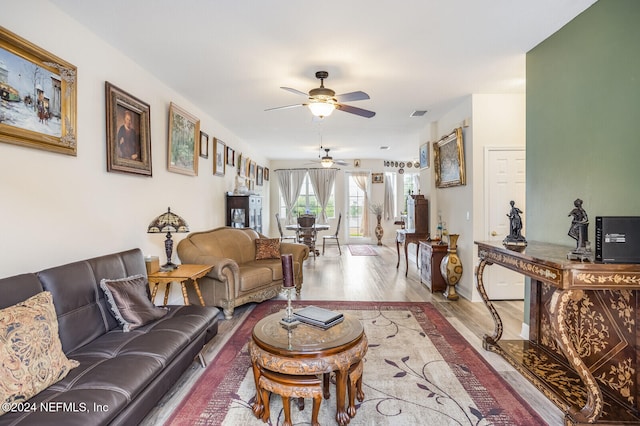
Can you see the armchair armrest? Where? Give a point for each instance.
(300, 251)
(224, 270)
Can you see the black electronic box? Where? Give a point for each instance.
(618, 239)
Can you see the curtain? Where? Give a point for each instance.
(361, 180)
(290, 183)
(322, 181)
(389, 197)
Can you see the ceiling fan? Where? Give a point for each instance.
(322, 100)
(327, 161)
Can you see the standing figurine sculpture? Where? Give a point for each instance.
(579, 231)
(515, 240)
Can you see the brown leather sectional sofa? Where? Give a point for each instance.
(121, 376)
(237, 277)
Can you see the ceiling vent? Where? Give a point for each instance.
(418, 113)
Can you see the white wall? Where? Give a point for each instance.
(493, 121)
(57, 208)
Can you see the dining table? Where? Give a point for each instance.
(316, 226)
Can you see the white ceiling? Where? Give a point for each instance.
(230, 57)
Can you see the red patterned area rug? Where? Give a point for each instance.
(418, 371)
(362, 250)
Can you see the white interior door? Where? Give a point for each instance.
(505, 181)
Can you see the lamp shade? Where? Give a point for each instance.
(326, 162)
(321, 109)
(168, 222)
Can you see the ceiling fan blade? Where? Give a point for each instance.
(341, 162)
(296, 91)
(285, 107)
(352, 96)
(354, 110)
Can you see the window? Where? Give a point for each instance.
(308, 203)
(410, 186)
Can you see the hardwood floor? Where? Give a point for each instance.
(375, 278)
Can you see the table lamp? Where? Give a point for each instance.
(168, 222)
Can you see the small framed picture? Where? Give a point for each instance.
(204, 145)
(230, 157)
(259, 175)
(356, 163)
(424, 155)
(266, 173)
(219, 149)
(377, 177)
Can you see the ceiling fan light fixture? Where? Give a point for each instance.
(321, 109)
(326, 162)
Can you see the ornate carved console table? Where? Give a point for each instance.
(583, 350)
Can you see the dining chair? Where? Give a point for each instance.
(333, 236)
(307, 233)
(282, 236)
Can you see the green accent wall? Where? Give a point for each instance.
(583, 121)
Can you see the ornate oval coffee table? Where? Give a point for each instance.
(307, 350)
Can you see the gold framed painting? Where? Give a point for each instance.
(128, 132)
(184, 141)
(377, 178)
(448, 154)
(38, 107)
(219, 167)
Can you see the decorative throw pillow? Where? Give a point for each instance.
(267, 248)
(31, 357)
(130, 303)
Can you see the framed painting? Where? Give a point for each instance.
(183, 147)
(259, 175)
(247, 168)
(377, 178)
(266, 173)
(448, 155)
(128, 132)
(230, 157)
(252, 170)
(424, 156)
(219, 165)
(204, 145)
(242, 169)
(38, 97)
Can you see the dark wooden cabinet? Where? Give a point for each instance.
(431, 254)
(417, 214)
(244, 211)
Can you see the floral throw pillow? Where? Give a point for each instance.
(31, 357)
(267, 248)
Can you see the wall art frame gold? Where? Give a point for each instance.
(219, 165)
(448, 154)
(184, 141)
(43, 114)
(128, 132)
(377, 177)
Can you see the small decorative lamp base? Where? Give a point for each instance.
(289, 322)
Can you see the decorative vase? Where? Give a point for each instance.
(379, 230)
(451, 268)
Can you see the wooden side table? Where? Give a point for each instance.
(183, 274)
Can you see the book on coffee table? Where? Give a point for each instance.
(319, 317)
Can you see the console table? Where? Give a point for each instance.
(406, 237)
(583, 350)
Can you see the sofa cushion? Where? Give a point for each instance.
(267, 248)
(129, 301)
(30, 353)
(252, 276)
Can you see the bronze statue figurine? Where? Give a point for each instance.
(515, 240)
(579, 231)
